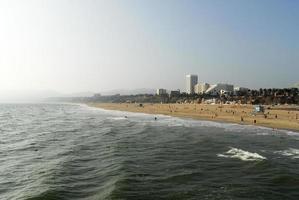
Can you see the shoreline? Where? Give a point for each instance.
(276, 118)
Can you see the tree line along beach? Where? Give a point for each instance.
(281, 117)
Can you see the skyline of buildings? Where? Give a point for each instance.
(195, 87)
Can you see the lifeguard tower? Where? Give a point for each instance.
(258, 109)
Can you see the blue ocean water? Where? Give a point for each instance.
(64, 151)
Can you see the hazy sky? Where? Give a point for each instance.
(89, 45)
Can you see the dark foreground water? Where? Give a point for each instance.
(52, 151)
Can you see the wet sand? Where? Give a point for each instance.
(281, 117)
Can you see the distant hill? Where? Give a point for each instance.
(296, 85)
(79, 94)
(8, 96)
(129, 92)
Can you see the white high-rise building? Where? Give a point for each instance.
(191, 81)
(201, 88)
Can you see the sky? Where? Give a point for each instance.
(87, 45)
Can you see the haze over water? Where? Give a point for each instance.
(60, 151)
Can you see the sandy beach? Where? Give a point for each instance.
(281, 117)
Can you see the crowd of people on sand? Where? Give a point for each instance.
(278, 117)
(215, 113)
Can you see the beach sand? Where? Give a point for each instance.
(281, 117)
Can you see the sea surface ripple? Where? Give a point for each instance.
(64, 151)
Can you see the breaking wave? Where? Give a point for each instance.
(242, 155)
(291, 152)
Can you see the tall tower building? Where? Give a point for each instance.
(191, 81)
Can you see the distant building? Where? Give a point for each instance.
(201, 88)
(161, 91)
(175, 93)
(225, 92)
(296, 85)
(240, 90)
(216, 89)
(97, 95)
(191, 81)
(209, 101)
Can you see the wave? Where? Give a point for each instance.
(291, 152)
(242, 155)
(116, 118)
(263, 133)
(292, 133)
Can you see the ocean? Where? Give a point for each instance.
(65, 151)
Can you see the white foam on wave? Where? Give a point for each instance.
(263, 133)
(292, 133)
(119, 113)
(117, 118)
(242, 155)
(228, 127)
(291, 152)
